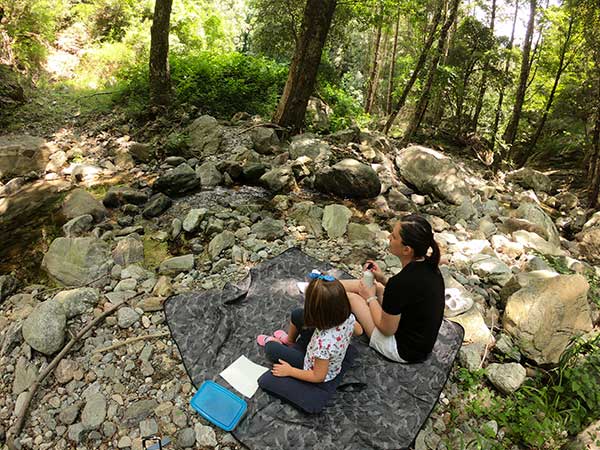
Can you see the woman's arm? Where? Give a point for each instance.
(316, 375)
(386, 323)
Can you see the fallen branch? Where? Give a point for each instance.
(487, 346)
(132, 340)
(258, 125)
(15, 431)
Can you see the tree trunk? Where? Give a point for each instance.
(594, 164)
(561, 67)
(416, 71)
(502, 89)
(483, 84)
(513, 124)
(388, 106)
(440, 100)
(305, 64)
(426, 93)
(160, 77)
(372, 83)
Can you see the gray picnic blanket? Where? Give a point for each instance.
(379, 404)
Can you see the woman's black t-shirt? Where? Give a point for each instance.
(417, 294)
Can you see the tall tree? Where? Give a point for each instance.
(513, 124)
(390, 91)
(417, 70)
(562, 65)
(421, 106)
(302, 75)
(160, 77)
(374, 75)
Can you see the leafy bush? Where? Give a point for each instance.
(220, 84)
(347, 110)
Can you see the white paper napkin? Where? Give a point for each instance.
(243, 375)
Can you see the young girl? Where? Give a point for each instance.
(318, 336)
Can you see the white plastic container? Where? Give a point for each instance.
(368, 278)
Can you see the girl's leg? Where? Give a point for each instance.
(352, 287)
(276, 351)
(362, 312)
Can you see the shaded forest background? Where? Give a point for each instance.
(518, 81)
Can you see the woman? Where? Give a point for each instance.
(402, 315)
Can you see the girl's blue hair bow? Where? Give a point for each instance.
(320, 276)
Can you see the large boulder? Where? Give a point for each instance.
(531, 212)
(433, 173)
(128, 251)
(44, 329)
(589, 244)
(77, 301)
(264, 140)
(205, 136)
(543, 316)
(77, 261)
(177, 181)
(349, 178)
(21, 154)
(535, 242)
(308, 144)
(80, 202)
(530, 179)
(335, 220)
(279, 179)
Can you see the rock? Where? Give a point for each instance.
(177, 181)
(205, 436)
(433, 173)
(76, 432)
(151, 304)
(25, 375)
(78, 225)
(128, 251)
(8, 285)
(157, 205)
(534, 214)
(140, 152)
(310, 145)
(140, 410)
(186, 438)
(174, 161)
(128, 284)
(220, 242)
(349, 178)
(507, 378)
(64, 371)
(80, 202)
(345, 137)
(209, 175)
(279, 179)
(69, 414)
(269, 229)
(359, 232)
(94, 411)
(308, 215)
(123, 160)
(522, 280)
(163, 287)
(124, 442)
(587, 439)
(253, 171)
(476, 331)
(21, 154)
(77, 301)
(317, 114)
(205, 136)
(536, 242)
(44, 329)
(193, 219)
(398, 201)
(335, 220)
(470, 355)
(77, 261)
(506, 347)
(126, 317)
(117, 196)
(264, 139)
(593, 221)
(567, 201)
(544, 315)
(57, 161)
(148, 427)
(177, 264)
(492, 269)
(589, 244)
(530, 179)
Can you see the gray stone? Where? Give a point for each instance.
(124, 442)
(536, 215)
(76, 432)
(308, 144)
(279, 179)
(186, 438)
(545, 315)
(21, 154)
(25, 375)
(264, 139)
(269, 229)
(308, 215)
(77, 261)
(492, 269)
(177, 264)
(140, 410)
(360, 232)
(44, 329)
(78, 225)
(335, 220)
(209, 174)
(205, 136)
(205, 435)
(177, 181)
(80, 202)
(317, 114)
(64, 370)
(193, 219)
(530, 179)
(220, 242)
(140, 151)
(589, 244)
(148, 427)
(470, 355)
(121, 195)
(69, 414)
(128, 284)
(507, 378)
(94, 411)
(8, 285)
(128, 251)
(349, 178)
(535, 242)
(136, 272)
(77, 301)
(433, 173)
(126, 317)
(506, 346)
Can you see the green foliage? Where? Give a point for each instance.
(220, 84)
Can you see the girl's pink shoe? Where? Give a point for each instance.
(282, 336)
(262, 339)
